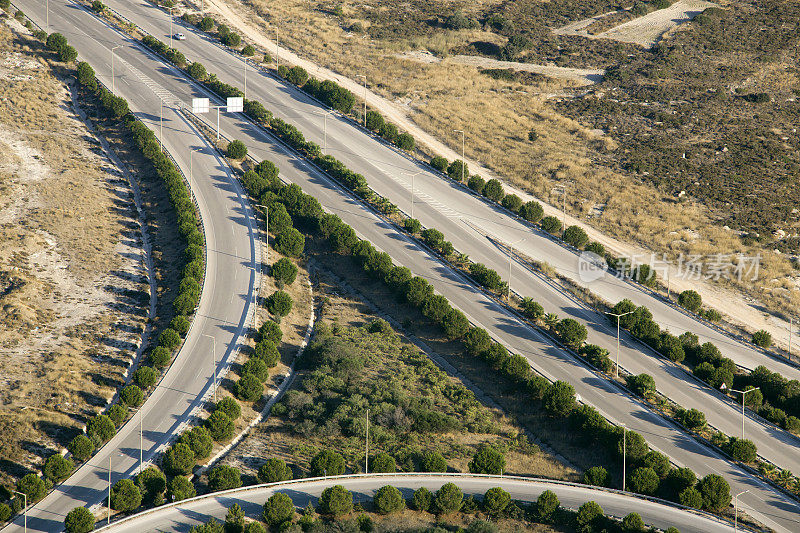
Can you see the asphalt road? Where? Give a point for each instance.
(182, 515)
(762, 502)
(467, 221)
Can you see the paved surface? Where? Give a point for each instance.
(183, 515)
(762, 502)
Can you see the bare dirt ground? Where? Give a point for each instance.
(636, 220)
(73, 286)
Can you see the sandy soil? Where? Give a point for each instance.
(73, 286)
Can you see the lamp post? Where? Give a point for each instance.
(214, 355)
(624, 454)
(413, 175)
(736, 509)
(112, 66)
(365, 97)
(141, 437)
(266, 217)
(170, 27)
(366, 453)
(743, 393)
(161, 123)
(108, 516)
(191, 165)
(24, 509)
(510, 259)
(47, 16)
(277, 50)
(325, 131)
(245, 78)
(463, 161)
(620, 315)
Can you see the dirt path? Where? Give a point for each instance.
(739, 309)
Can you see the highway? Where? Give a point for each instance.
(182, 515)
(466, 221)
(93, 39)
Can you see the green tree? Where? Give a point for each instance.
(643, 480)
(249, 388)
(690, 300)
(336, 501)
(715, 491)
(231, 39)
(279, 508)
(152, 483)
(132, 396)
(551, 224)
(448, 498)
(433, 462)
(86, 75)
(495, 501)
(178, 460)
(476, 183)
(181, 488)
(79, 520)
(266, 351)
(234, 520)
(382, 463)
(199, 440)
(455, 324)
(743, 450)
(632, 523)
(678, 480)
(230, 407)
(458, 170)
(439, 163)
(691, 418)
(256, 367)
(388, 499)
(33, 486)
(284, 271)
(100, 428)
(375, 120)
(635, 446)
(279, 303)
(206, 24)
(224, 477)
(81, 447)
(198, 71)
(125, 496)
(658, 462)
(532, 309)
(487, 460)
(597, 476)
(762, 338)
(159, 356)
(575, 236)
(642, 385)
(405, 141)
(57, 468)
(572, 332)
(590, 514)
(55, 42)
(327, 463)
(248, 50)
(559, 398)
(270, 331)
(532, 211)
(512, 202)
(290, 242)
(422, 499)
(117, 413)
(145, 377)
(691, 497)
(236, 150)
(274, 470)
(169, 339)
(220, 426)
(546, 505)
(494, 190)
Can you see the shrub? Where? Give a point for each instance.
(383, 463)
(643, 480)
(249, 388)
(267, 352)
(512, 202)
(494, 190)
(448, 498)
(495, 501)
(572, 332)
(559, 398)
(279, 508)
(743, 450)
(691, 497)
(715, 491)
(206, 24)
(546, 505)
(231, 39)
(230, 407)
(455, 324)
(270, 331)
(236, 150)
(160, 356)
(117, 413)
(86, 76)
(422, 499)
(274, 470)
(178, 460)
(374, 120)
(433, 462)
(531, 211)
(405, 141)
(551, 224)
(169, 339)
(388, 500)
(81, 447)
(125, 496)
(477, 184)
(437, 162)
(248, 51)
(412, 225)
(198, 71)
(199, 440)
(181, 488)
(145, 376)
(256, 367)
(290, 242)
(327, 463)
(596, 475)
(32, 486)
(336, 501)
(224, 477)
(388, 131)
(79, 520)
(642, 385)
(58, 468)
(575, 236)
(152, 483)
(220, 426)
(589, 515)
(532, 309)
(55, 42)
(632, 523)
(132, 396)
(487, 460)
(762, 338)
(279, 219)
(100, 428)
(690, 300)
(457, 170)
(691, 418)
(284, 271)
(279, 303)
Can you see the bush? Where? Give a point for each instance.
(572, 332)
(236, 150)
(220, 426)
(79, 520)
(691, 418)
(206, 24)
(532, 211)
(495, 501)
(178, 460)
(199, 440)
(643, 480)
(551, 225)
(487, 460)
(388, 500)
(690, 300)
(743, 450)
(125, 496)
(458, 170)
(290, 242)
(284, 271)
(448, 498)
(159, 357)
(145, 376)
(374, 120)
(762, 339)
(231, 39)
(589, 515)
(256, 367)
(86, 75)
(477, 184)
(422, 499)
(512, 202)
(67, 54)
(437, 162)
(270, 331)
(279, 303)
(559, 398)
(405, 141)
(100, 428)
(433, 462)
(383, 463)
(546, 505)
(267, 352)
(532, 309)
(81, 447)
(248, 51)
(494, 190)
(412, 225)
(274, 470)
(224, 477)
(691, 497)
(327, 463)
(715, 491)
(33, 486)
(632, 523)
(642, 385)
(575, 236)
(336, 501)
(198, 71)
(455, 324)
(230, 407)
(57, 468)
(55, 42)
(249, 388)
(132, 396)
(279, 508)
(597, 476)
(181, 488)
(117, 413)
(169, 339)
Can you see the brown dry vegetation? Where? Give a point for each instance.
(73, 289)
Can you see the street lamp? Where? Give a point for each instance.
(47, 16)
(214, 355)
(463, 161)
(277, 50)
(141, 437)
(413, 175)
(624, 454)
(365, 97)
(245, 78)
(161, 123)
(108, 517)
(366, 453)
(325, 131)
(191, 165)
(266, 217)
(620, 315)
(24, 508)
(743, 393)
(510, 258)
(736, 509)
(112, 66)
(170, 27)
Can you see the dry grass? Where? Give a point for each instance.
(72, 289)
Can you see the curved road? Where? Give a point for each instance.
(93, 39)
(182, 515)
